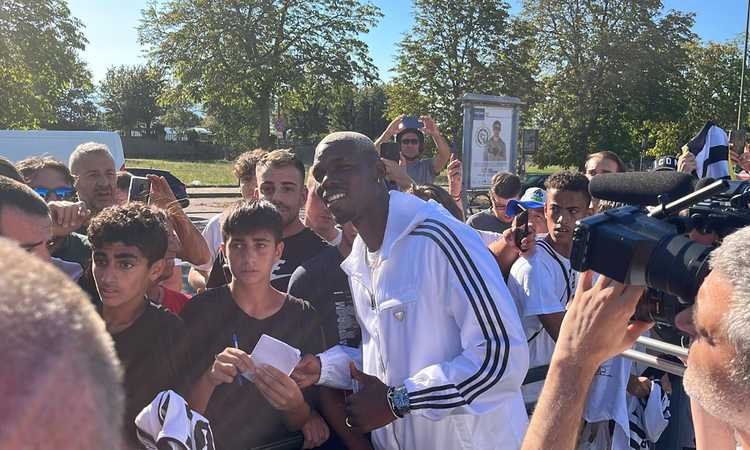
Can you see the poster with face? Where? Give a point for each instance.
(491, 138)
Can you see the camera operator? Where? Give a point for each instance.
(597, 327)
(411, 142)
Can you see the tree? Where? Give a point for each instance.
(130, 97)
(234, 58)
(456, 48)
(41, 75)
(609, 67)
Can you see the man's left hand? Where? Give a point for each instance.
(429, 128)
(280, 390)
(368, 409)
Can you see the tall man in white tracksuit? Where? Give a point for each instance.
(443, 349)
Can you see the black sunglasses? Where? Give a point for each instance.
(410, 141)
(63, 193)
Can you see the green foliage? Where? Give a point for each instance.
(129, 96)
(608, 67)
(235, 58)
(457, 48)
(42, 80)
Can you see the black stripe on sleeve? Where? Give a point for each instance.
(445, 238)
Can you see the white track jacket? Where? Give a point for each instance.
(437, 317)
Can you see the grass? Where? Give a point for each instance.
(198, 173)
(219, 173)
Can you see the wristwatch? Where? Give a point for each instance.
(398, 400)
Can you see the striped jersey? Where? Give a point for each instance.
(540, 283)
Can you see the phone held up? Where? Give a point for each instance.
(412, 122)
(391, 151)
(522, 227)
(140, 187)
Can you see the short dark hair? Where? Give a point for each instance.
(8, 170)
(136, 224)
(14, 194)
(282, 158)
(30, 166)
(568, 181)
(505, 185)
(440, 195)
(245, 164)
(245, 217)
(123, 180)
(610, 155)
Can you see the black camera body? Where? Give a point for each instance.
(634, 246)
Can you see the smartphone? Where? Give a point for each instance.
(390, 150)
(412, 122)
(140, 187)
(522, 227)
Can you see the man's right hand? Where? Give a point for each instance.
(392, 129)
(307, 372)
(67, 217)
(597, 324)
(228, 365)
(686, 163)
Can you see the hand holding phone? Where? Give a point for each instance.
(521, 224)
(140, 187)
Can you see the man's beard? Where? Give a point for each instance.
(720, 396)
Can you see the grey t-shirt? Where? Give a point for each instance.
(421, 171)
(486, 221)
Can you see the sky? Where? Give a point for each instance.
(110, 27)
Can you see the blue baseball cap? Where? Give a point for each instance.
(534, 197)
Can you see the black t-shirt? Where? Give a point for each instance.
(321, 281)
(298, 248)
(240, 416)
(487, 221)
(154, 353)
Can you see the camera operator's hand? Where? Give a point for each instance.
(596, 326)
(686, 163)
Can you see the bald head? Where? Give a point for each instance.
(60, 382)
(357, 143)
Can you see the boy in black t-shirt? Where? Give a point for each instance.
(129, 243)
(281, 181)
(226, 323)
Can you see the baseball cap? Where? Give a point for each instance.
(665, 163)
(534, 197)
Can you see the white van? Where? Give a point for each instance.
(17, 145)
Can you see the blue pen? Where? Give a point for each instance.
(236, 344)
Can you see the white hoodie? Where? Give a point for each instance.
(437, 317)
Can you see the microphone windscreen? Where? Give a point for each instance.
(703, 182)
(640, 188)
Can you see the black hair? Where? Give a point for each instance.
(245, 217)
(14, 194)
(569, 181)
(505, 185)
(135, 224)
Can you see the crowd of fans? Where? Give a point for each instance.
(415, 330)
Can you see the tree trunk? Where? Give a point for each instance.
(264, 117)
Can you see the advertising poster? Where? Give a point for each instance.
(490, 145)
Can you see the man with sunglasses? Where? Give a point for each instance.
(52, 180)
(411, 142)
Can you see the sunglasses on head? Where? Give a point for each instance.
(410, 141)
(63, 193)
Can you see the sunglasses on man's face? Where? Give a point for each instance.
(63, 193)
(410, 141)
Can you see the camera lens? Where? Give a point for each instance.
(678, 266)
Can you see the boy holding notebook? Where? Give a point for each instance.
(226, 323)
